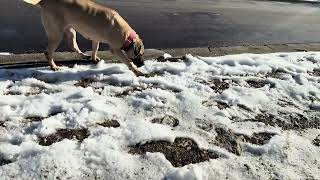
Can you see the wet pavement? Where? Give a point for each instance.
(178, 23)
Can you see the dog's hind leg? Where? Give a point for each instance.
(95, 47)
(55, 34)
(72, 42)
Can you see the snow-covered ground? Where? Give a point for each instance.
(4, 54)
(245, 116)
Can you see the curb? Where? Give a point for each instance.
(38, 59)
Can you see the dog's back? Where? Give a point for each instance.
(86, 5)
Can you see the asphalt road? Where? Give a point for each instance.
(178, 23)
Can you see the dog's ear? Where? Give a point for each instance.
(139, 47)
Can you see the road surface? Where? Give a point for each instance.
(178, 23)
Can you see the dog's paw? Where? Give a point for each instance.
(55, 68)
(98, 59)
(95, 59)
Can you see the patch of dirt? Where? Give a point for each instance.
(85, 82)
(231, 141)
(2, 124)
(4, 161)
(286, 102)
(181, 152)
(278, 74)
(315, 72)
(316, 141)
(202, 124)
(244, 107)
(130, 91)
(207, 103)
(288, 121)
(167, 120)
(54, 112)
(35, 90)
(220, 104)
(79, 134)
(170, 59)
(219, 86)
(216, 84)
(153, 74)
(13, 93)
(110, 123)
(34, 119)
(258, 83)
(311, 59)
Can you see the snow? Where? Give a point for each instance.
(184, 90)
(5, 54)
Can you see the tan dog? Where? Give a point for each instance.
(95, 22)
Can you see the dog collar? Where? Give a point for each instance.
(129, 40)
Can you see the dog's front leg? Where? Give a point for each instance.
(128, 62)
(53, 42)
(95, 47)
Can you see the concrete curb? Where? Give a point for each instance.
(38, 59)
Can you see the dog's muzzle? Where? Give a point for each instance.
(138, 61)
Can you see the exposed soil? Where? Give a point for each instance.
(286, 103)
(278, 74)
(207, 103)
(79, 134)
(167, 120)
(4, 161)
(2, 124)
(110, 123)
(258, 83)
(222, 105)
(260, 138)
(171, 59)
(153, 74)
(133, 89)
(244, 107)
(13, 93)
(219, 86)
(316, 141)
(34, 119)
(315, 72)
(231, 141)
(85, 82)
(130, 91)
(181, 152)
(39, 119)
(35, 90)
(286, 121)
(202, 124)
(312, 59)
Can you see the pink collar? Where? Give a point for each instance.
(129, 40)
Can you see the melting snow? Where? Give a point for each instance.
(258, 115)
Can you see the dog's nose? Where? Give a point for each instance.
(139, 61)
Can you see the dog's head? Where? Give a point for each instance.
(135, 52)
